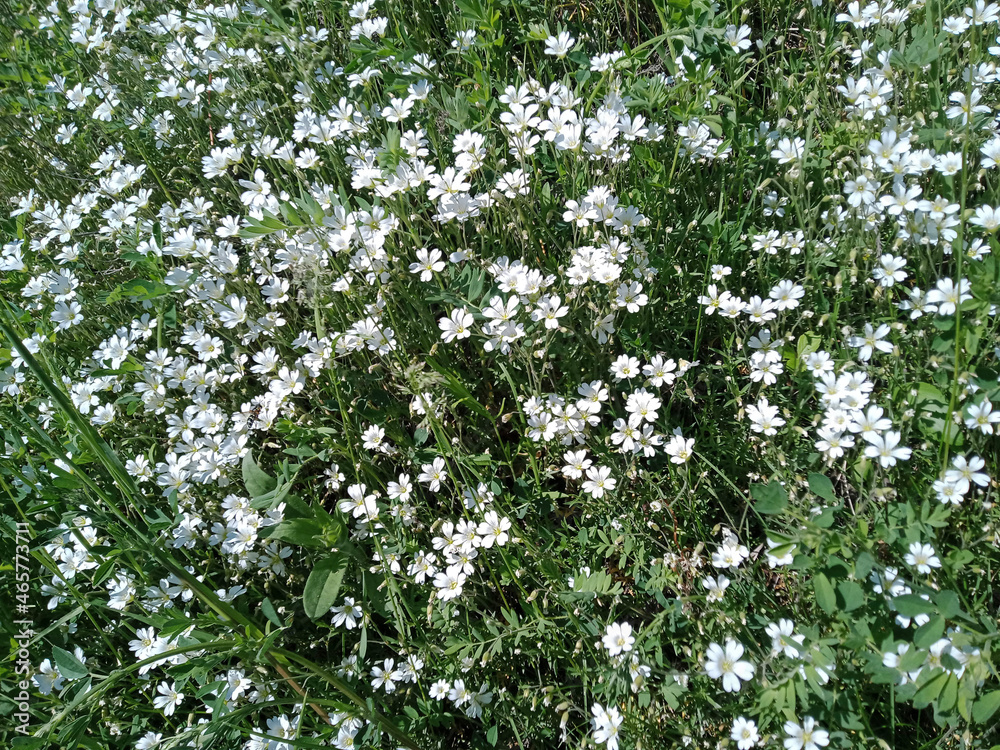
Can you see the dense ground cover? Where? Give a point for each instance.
(500, 374)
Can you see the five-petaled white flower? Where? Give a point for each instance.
(726, 662)
(618, 638)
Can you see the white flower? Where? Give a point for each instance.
(148, 741)
(788, 150)
(477, 701)
(576, 463)
(786, 558)
(458, 325)
(618, 638)
(625, 367)
(885, 448)
(493, 530)
(744, 733)
(433, 474)
(987, 217)
(605, 724)
(950, 493)
(981, 417)
(784, 639)
(257, 190)
(968, 470)
(890, 270)
(922, 557)
(386, 676)
(724, 662)
(764, 417)
(679, 449)
(716, 587)
(599, 480)
(66, 315)
(786, 295)
(428, 263)
(348, 614)
(806, 736)
(439, 690)
(730, 554)
(359, 504)
(738, 39)
(168, 699)
(48, 678)
(560, 45)
(948, 295)
(870, 341)
(449, 582)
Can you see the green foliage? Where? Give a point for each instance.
(357, 336)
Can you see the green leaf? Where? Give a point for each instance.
(929, 632)
(986, 706)
(69, 735)
(301, 531)
(863, 565)
(930, 690)
(824, 519)
(491, 735)
(462, 393)
(142, 290)
(69, 666)
(931, 407)
(289, 214)
(912, 660)
(959, 558)
(323, 585)
(825, 597)
(807, 344)
(771, 498)
(819, 484)
(259, 228)
(948, 604)
(311, 207)
(28, 743)
(210, 688)
(257, 481)
(911, 605)
(949, 694)
(271, 613)
(852, 594)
